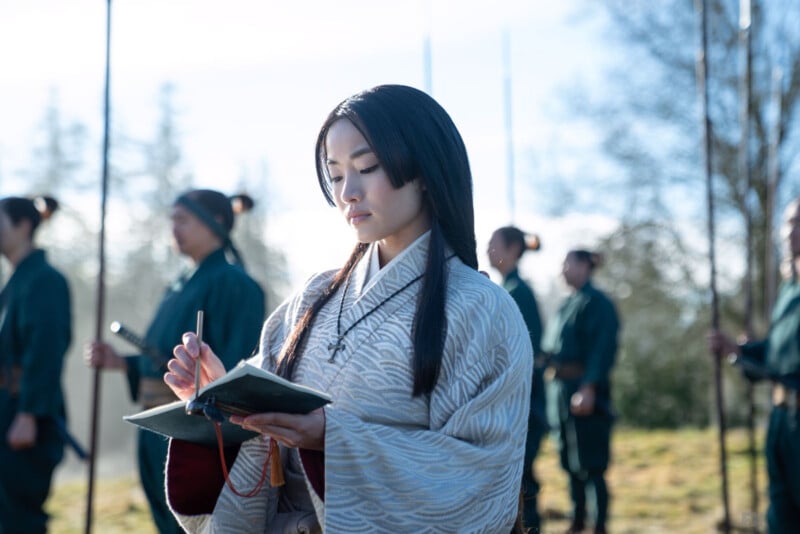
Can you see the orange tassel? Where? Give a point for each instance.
(276, 468)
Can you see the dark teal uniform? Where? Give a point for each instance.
(779, 354)
(233, 308)
(537, 423)
(581, 341)
(35, 332)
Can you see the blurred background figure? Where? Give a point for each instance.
(35, 332)
(581, 344)
(777, 358)
(506, 247)
(234, 310)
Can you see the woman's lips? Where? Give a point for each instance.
(357, 217)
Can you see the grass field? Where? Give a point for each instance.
(660, 481)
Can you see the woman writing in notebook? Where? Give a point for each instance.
(427, 361)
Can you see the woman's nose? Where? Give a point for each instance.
(351, 190)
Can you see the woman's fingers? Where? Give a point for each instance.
(183, 358)
(182, 388)
(293, 430)
(190, 344)
(181, 368)
(213, 367)
(268, 425)
(180, 371)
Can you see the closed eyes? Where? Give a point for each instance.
(371, 169)
(368, 170)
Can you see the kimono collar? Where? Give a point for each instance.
(34, 259)
(209, 262)
(216, 257)
(368, 272)
(390, 286)
(512, 275)
(586, 288)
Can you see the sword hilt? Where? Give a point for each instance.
(137, 341)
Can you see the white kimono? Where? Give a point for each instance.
(450, 461)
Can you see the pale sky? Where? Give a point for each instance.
(254, 80)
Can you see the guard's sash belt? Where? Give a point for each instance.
(564, 371)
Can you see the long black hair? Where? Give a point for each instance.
(414, 138)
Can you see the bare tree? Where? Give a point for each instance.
(59, 155)
(649, 113)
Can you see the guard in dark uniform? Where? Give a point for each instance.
(581, 342)
(234, 311)
(35, 332)
(777, 358)
(506, 247)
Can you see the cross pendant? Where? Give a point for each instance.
(334, 348)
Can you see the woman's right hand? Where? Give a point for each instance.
(181, 375)
(103, 356)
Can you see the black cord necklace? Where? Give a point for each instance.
(337, 345)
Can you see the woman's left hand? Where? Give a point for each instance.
(292, 430)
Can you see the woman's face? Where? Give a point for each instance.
(372, 206)
(191, 236)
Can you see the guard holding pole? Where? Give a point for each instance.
(777, 358)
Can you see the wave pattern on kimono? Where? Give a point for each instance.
(450, 461)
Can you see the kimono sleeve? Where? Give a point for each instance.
(754, 354)
(755, 350)
(526, 301)
(193, 502)
(461, 474)
(46, 327)
(133, 375)
(603, 326)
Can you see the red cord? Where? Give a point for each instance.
(260, 484)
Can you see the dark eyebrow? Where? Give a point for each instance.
(357, 153)
(361, 152)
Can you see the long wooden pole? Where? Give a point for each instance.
(773, 180)
(101, 286)
(746, 175)
(702, 88)
(427, 54)
(508, 115)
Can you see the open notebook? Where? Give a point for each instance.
(246, 389)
